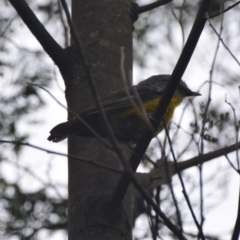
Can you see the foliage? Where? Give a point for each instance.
(24, 214)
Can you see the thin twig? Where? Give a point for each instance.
(150, 201)
(180, 20)
(65, 27)
(149, 160)
(204, 121)
(231, 164)
(158, 114)
(236, 128)
(223, 43)
(236, 230)
(48, 184)
(94, 91)
(182, 184)
(90, 79)
(179, 219)
(88, 161)
(165, 159)
(79, 118)
(158, 202)
(225, 10)
(138, 107)
(111, 135)
(180, 121)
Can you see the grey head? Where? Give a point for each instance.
(160, 82)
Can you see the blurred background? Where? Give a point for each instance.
(33, 183)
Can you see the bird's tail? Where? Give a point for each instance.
(63, 130)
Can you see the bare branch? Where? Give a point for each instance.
(179, 219)
(183, 186)
(150, 201)
(223, 43)
(52, 48)
(88, 161)
(225, 10)
(65, 26)
(75, 115)
(111, 135)
(208, 156)
(204, 121)
(157, 175)
(45, 184)
(126, 88)
(236, 128)
(95, 94)
(231, 164)
(236, 231)
(180, 20)
(151, 6)
(181, 65)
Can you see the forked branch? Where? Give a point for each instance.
(178, 71)
(52, 48)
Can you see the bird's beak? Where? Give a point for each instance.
(195, 94)
(190, 93)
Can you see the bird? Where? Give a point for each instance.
(126, 111)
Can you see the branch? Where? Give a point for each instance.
(158, 211)
(65, 26)
(138, 186)
(88, 161)
(52, 48)
(93, 89)
(236, 231)
(36, 177)
(231, 164)
(78, 117)
(204, 121)
(181, 65)
(158, 175)
(236, 128)
(223, 43)
(178, 213)
(148, 7)
(207, 157)
(117, 149)
(182, 184)
(225, 10)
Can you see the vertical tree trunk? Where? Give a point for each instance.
(103, 28)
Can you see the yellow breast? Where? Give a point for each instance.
(175, 101)
(150, 106)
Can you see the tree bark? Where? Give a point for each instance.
(103, 27)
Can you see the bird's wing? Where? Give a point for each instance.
(120, 99)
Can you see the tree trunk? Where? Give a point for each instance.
(103, 27)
